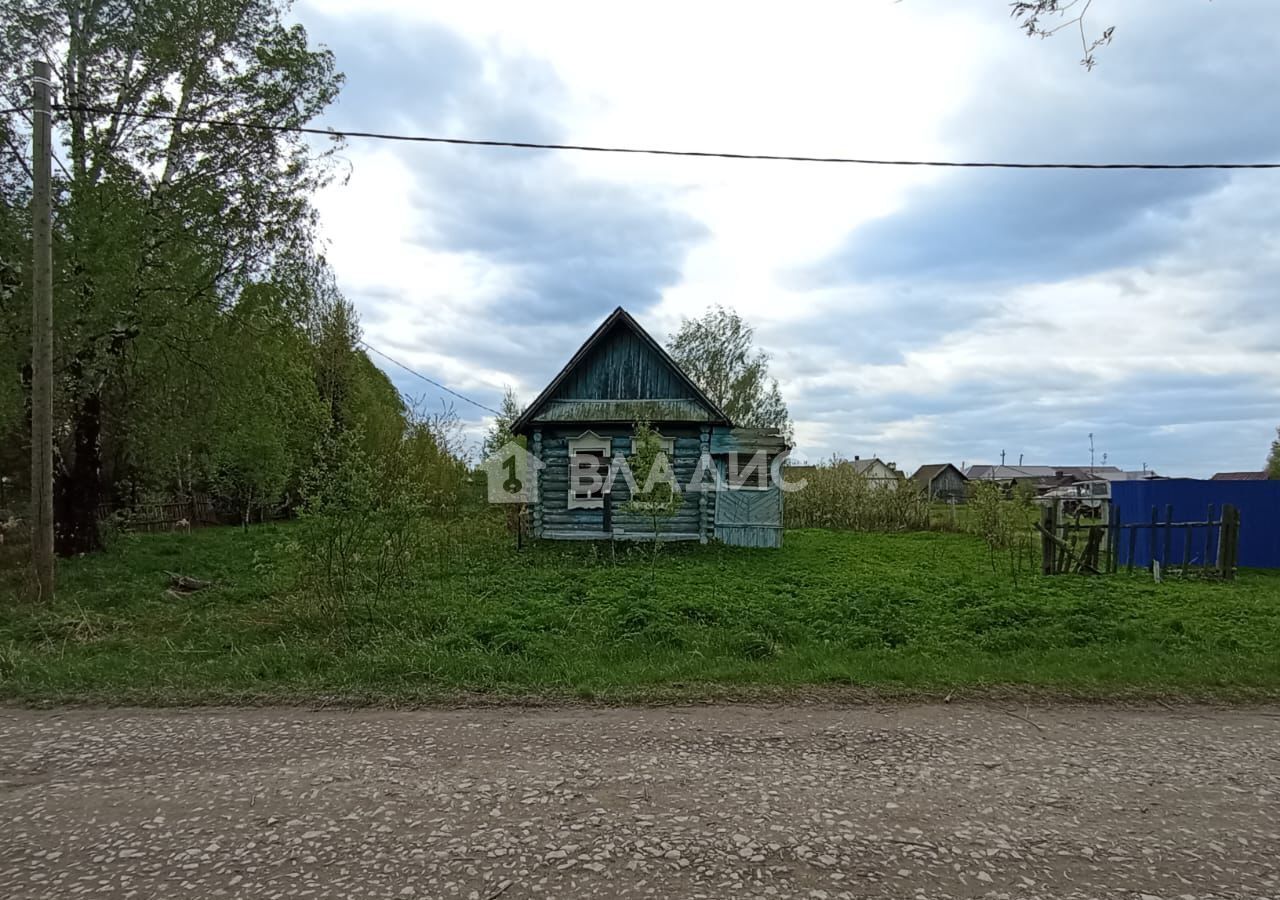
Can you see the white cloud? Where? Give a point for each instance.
(917, 367)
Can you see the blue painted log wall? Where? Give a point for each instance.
(558, 520)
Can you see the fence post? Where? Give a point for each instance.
(1113, 537)
(1228, 541)
(1049, 528)
(1235, 540)
(1155, 532)
(1208, 539)
(1133, 545)
(1189, 530)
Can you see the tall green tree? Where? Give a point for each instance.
(161, 224)
(1273, 458)
(718, 352)
(268, 416)
(499, 433)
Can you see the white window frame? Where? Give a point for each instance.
(588, 442)
(668, 447)
(732, 472)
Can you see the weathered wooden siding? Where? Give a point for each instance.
(558, 520)
(746, 440)
(948, 485)
(740, 518)
(622, 367)
(749, 518)
(628, 411)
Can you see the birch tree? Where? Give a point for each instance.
(718, 352)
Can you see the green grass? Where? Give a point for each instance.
(898, 614)
(960, 517)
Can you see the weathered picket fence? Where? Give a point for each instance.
(1106, 544)
(191, 512)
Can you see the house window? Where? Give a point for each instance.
(668, 447)
(749, 471)
(589, 457)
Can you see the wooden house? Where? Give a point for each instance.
(940, 481)
(586, 418)
(877, 472)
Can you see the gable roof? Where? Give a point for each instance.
(925, 474)
(619, 318)
(863, 466)
(1240, 476)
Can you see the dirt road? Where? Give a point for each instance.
(961, 801)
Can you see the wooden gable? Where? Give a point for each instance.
(621, 374)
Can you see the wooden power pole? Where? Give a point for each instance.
(42, 333)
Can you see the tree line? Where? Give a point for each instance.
(201, 342)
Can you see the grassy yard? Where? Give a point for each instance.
(901, 613)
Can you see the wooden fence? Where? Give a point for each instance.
(193, 512)
(1104, 545)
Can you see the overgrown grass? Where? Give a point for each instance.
(911, 612)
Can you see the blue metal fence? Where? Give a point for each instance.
(1193, 500)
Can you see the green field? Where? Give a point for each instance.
(896, 613)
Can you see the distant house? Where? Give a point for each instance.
(1135, 475)
(1042, 478)
(878, 473)
(1240, 476)
(941, 481)
(584, 420)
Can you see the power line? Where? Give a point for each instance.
(432, 381)
(650, 151)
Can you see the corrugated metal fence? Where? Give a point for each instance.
(1194, 500)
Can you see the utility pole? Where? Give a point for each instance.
(42, 333)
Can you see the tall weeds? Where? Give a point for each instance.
(838, 496)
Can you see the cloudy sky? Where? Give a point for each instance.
(922, 315)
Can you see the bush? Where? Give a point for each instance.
(372, 527)
(838, 496)
(1002, 523)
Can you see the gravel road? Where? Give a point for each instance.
(814, 802)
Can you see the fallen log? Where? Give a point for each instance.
(184, 584)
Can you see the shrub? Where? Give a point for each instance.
(656, 496)
(838, 496)
(1001, 523)
(369, 527)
